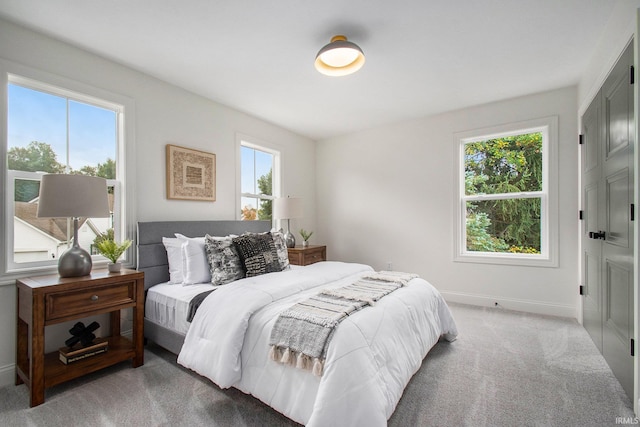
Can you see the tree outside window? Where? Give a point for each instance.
(507, 194)
(503, 181)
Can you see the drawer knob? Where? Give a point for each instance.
(94, 297)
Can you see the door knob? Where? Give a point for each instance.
(597, 235)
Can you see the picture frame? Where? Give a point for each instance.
(191, 174)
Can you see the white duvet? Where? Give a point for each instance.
(371, 358)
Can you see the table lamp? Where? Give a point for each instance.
(287, 208)
(73, 196)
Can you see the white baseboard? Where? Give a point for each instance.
(537, 307)
(7, 375)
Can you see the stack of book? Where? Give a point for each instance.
(75, 353)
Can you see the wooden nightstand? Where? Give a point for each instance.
(46, 300)
(307, 255)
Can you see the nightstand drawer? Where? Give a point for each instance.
(307, 255)
(63, 304)
(313, 256)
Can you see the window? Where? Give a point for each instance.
(259, 178)
(505, 202)
(55, 130)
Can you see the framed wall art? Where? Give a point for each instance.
(191, 174)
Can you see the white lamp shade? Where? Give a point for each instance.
(67, 196)
(287, 207)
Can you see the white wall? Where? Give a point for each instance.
(163, 114)
(386, 195)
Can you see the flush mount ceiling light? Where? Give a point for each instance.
(339, 58)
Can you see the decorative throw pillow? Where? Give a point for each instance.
(224, 262)
(257, 253)
(195, 265)
(281, 249)
(174, 257)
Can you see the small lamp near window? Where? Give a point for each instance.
(287, 208)
(73, 196)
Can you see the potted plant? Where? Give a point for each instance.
(107, 246)
(306, 235)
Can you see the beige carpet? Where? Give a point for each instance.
(506, 369)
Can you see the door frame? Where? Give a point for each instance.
(636, 231)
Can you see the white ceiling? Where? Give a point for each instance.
(422, 56)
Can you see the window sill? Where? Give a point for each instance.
(506, 259)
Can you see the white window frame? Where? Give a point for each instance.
(124, 184)
(275, 151)
(548, 257)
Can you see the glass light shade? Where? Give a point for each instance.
(339, 58)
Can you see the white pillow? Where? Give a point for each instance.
(174, 256)
(195, 265)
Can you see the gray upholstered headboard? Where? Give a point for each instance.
(152, 256)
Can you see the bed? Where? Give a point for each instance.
(372, 354)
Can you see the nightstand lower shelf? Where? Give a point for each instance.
(120, 349)
(56, 372)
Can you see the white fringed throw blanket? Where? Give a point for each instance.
(301, 334)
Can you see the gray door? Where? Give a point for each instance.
(607, 238)
(592, 221)
(617, 247)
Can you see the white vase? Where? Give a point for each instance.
(305, 243)
(114, 267)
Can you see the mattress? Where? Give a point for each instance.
(168, 304)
